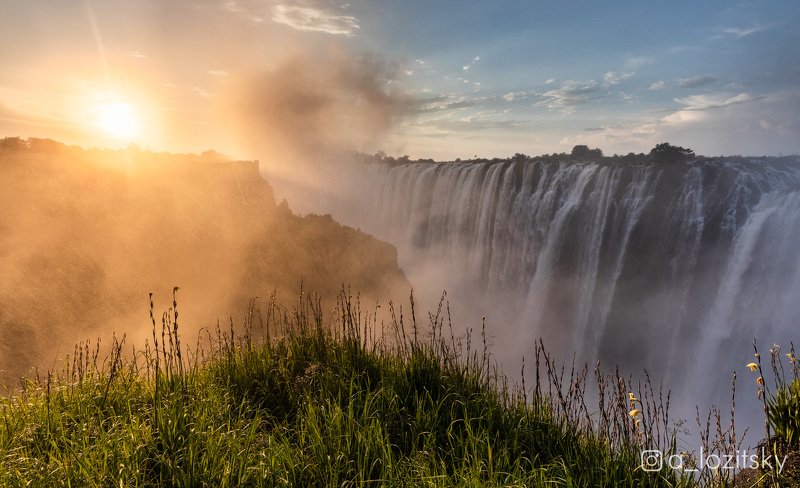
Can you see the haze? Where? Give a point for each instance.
(304, 85)
(486, 79)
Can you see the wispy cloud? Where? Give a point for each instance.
(472, 63)
(477, 121)
(696, 81)
(743, 31)
(448, 102)
(697, 108)
(713, 101)
(573, 93)
(634, 62)
(570, 95)
(517, 95)
(612, 78)
(657, 85)
(237, 7)
(314, 19)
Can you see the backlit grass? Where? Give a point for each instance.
(299, 398)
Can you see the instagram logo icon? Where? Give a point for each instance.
(652, 460)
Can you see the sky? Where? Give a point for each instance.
(443, 80)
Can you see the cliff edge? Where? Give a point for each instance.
(87, 234)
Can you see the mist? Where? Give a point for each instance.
(315, 120)
(91, 233)
(567, 253)
(87, 235)
(308, 117)
(669, 268)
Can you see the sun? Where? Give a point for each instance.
(118, 119)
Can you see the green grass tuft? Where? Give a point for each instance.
(292, 402)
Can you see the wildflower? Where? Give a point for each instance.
(634, 412)
(791, 357)
(752, 366)
(760, 380)
(632, 397)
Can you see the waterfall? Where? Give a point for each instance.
(670, 268)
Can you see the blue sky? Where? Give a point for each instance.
(487, 78)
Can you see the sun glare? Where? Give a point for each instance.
(118, 119)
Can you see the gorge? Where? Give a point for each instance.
(672, 268)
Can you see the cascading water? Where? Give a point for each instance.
(672, 268)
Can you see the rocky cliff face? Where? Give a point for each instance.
(85, 235)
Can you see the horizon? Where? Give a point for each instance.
(213, 155)
(255, 78)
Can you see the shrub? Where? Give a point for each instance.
(784, 413)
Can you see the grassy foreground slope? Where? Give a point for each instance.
(298, 399)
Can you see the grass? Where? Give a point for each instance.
(299, 398)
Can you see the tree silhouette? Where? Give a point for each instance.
(582, 152)
(13, 144)
(667, 153)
